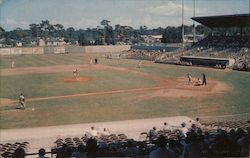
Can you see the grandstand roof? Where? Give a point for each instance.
(207, 58)
(235, 20)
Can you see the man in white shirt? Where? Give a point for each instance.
(184, 129)
(93, 132)
(105, 132)
(166, 127)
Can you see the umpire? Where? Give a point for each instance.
(204, 80)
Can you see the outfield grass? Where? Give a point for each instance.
(52, 84)
(38, 60)
(116, 106)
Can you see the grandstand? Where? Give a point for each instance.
(223, 43)
(228, 39)
(210, 136)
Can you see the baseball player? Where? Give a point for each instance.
(189, 79)
(22, 101)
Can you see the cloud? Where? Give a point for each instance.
(1, 2)
(85, 13)
(13, 24)
(122, 21)
(171, 8)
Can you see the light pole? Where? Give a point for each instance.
(182, 24)
(194, 21)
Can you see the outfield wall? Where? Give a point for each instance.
(54, 50)
(64, 49)
(21, 50)
(75, 49)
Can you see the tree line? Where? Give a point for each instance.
(100, 35)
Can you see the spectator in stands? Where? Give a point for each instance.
(102, 147)
(174, 147)
(80, 153)
(91, 148)
(19, 153)
(161, 151)
(93, 132)
(197, 122)
(42, 153)
(232, 140)
(105, 132)
(194, 148)
(63, 152)
(166, 127)
(152, 134)
(220, 147)
(194, 128)
(131, 149)
(184, 129)
(189, 124)
(243, 143)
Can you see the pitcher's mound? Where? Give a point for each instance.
(78, 79)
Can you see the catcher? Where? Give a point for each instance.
(21, 101)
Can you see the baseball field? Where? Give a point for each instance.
(112, 90)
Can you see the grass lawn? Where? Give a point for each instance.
(38, 60)
(120, 106)
(52, 84)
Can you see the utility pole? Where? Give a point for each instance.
(194, 39)
(182, 24)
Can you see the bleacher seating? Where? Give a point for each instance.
(210, 135)
(116, 145)
(8, 149)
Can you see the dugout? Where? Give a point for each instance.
(207, 61)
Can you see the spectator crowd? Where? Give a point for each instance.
(191, 139)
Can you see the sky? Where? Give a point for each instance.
(89, 13)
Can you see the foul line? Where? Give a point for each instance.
(96, 93)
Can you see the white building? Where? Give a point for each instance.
(152, 38)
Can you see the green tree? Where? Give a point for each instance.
(35, 30)
(172, 35)
(59, 31)
(71, 35)
(82, 39)
(143, 30)
(109, 33)
(2, 32)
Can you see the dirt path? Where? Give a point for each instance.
(44, 137)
